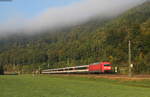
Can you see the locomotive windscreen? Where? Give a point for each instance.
(107, 65)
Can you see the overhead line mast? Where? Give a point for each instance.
(130, 65)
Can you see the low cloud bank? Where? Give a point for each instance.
(74, 14)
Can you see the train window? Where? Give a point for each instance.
(60, 70)
(107, 65)
(80, 68)
(70, 69)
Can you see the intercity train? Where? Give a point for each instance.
(99, 67)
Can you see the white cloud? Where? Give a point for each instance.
(69, 15)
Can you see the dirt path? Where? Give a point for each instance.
(125, 77)
(112, 76)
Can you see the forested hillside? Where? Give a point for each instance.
(94, 41)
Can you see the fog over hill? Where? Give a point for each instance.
(70, 15)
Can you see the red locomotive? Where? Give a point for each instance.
(100, 67)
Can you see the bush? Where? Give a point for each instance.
(1, 70)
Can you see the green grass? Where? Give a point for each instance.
(69, 86)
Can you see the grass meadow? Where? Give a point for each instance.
(70, 86)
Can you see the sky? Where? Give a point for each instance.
(35, 16)
(28, 8)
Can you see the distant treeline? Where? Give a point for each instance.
(94, 41)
